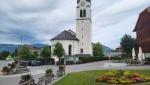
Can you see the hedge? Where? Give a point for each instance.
(92, 59)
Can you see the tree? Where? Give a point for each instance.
(59, 50)
(34, 55)
(127, 43)
(16, 53)
(4, 55)
(24, 52)
(97, 50)
(46, 53)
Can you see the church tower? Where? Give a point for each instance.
(84, 26)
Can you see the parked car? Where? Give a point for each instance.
(147, 62)
(35, 63)
(24, 63)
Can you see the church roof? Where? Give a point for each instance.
(88, 0)
(66, 35)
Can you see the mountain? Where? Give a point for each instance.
(107, 49)
(12, 47)
(8, 47)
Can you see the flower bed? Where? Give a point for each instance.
(122, 77)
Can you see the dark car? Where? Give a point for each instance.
(24, 63)
(147, 62)
(35, 63)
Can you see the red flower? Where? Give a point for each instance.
(105, 77)
(136, 78)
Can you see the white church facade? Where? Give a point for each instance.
(79, 42)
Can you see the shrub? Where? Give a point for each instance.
(6, 69)
(48, 72)
(13, 65)
(61, 67)
(26, 77)
(116, 58)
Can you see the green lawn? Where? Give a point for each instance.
(88, 78)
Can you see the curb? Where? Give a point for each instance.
(58, 79)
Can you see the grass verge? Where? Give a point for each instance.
(88, 77)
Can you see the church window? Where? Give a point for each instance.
(84, 13)
(81, 50)
(81, 13)
(70, 50)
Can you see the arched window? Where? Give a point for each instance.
(84, 13)
(70, 49)
(81, 50)
(81, 13)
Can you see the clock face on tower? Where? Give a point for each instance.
(83, 3)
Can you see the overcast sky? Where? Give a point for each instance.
(37, 21)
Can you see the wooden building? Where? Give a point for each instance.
(142, 30)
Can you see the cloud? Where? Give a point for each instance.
(37, 21)
(116, 19)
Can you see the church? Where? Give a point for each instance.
(79, 42)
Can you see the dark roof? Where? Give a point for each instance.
(143, 20)
(78, 1)
(88, 0)
(66, 35)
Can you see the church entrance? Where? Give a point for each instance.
(81, 50)
(70, 50)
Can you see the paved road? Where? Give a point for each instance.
(39, 71)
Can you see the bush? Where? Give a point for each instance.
(48, 72)
(116, 58)
(12, 66)
(92, 59)
(61, 67)
(26, 77)
(6, 69)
